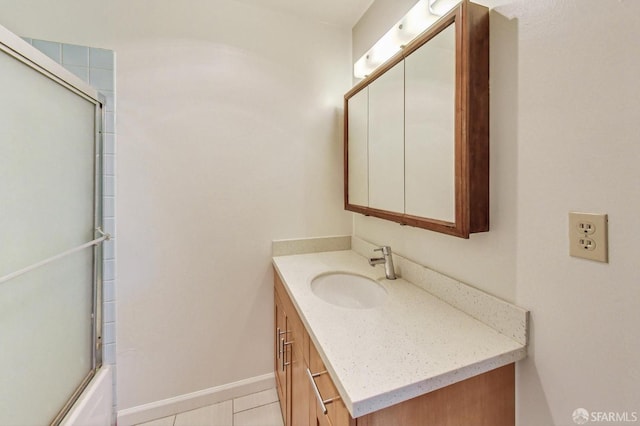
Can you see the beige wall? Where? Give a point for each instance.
(564, 113)
(228, 137)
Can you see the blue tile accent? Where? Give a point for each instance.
(101, 58)
(75, 55)
(82, 72)
(110, 123)
(101, 79)
(109, 144)
(110, 102)
(49, 48)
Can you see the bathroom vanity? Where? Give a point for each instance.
(407, 358)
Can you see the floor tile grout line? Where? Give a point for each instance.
(257, 406)
(233, 412)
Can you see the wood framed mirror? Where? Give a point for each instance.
(416, 133)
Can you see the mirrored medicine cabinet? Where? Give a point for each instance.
(417, 130)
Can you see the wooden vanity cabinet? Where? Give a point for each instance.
(280, 372)
(290, 360)
(294, 353)
(487, 399)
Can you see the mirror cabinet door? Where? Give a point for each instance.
(386, 140)
(358, 135)
(430, 90)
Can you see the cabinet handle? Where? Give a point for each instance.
(322, 402)
(278, 337)
(284, 352)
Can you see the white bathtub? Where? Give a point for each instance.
(95, 404)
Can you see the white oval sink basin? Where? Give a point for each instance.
(348, 290)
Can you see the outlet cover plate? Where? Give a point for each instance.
(588, 236)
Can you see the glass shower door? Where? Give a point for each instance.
(49, 134)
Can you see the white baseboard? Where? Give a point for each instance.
(191, 401)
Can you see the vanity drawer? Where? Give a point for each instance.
(336, 412)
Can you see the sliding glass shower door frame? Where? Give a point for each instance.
(15, 47)
(97, 312)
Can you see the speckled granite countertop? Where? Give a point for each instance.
(412, 344)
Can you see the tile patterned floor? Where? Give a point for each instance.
(258, 409)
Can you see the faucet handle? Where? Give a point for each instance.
(386, 250)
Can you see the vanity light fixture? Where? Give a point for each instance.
(415, 22)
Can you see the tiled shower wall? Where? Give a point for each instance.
(97, 67)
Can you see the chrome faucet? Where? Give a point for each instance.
(387, 260)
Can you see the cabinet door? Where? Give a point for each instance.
(430, 89)
(386, 141)
(358, 134)
(279, 367)
(299, 382)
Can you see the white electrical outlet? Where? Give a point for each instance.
(588, 236)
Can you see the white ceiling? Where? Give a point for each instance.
(340, 13)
